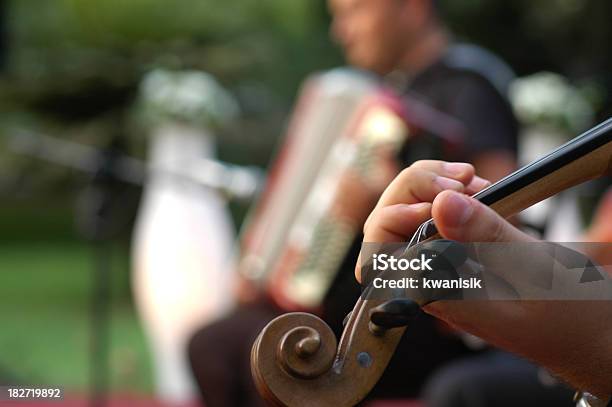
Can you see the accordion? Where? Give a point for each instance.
(342, 149)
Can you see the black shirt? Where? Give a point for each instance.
(466, 92)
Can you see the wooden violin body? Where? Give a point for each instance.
(295, 360)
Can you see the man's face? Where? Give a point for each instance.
(373, 33)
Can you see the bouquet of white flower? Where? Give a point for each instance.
(191, 97)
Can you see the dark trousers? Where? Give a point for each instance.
(220, 357)
(495, 379)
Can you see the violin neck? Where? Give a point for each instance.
(584, 158)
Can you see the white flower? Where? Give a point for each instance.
(191, 96)
(548, 98)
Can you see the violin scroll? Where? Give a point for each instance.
(296, 345)
(296, 361)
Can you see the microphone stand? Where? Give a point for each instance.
(110, 170)
(94, 217)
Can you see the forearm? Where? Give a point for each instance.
(572, 339)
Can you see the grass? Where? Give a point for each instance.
(45, 289)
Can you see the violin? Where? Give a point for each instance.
(296, 360)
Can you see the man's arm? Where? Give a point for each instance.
(572, 339)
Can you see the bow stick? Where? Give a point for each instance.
(295, 360)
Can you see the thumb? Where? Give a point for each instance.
(464, 219)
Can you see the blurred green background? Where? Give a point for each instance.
(70, 68)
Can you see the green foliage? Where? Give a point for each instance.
(45, 292)
(232, 39)
(570, 37)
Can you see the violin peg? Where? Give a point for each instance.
(394, 313)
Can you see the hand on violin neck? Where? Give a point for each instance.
(439, 188)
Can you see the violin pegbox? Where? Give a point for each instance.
(295, 361)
